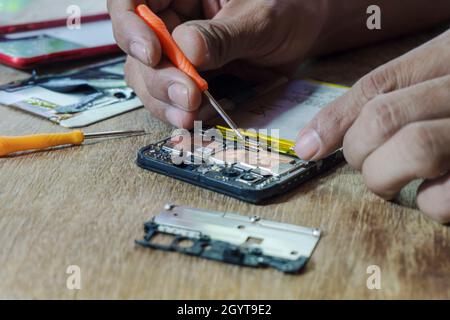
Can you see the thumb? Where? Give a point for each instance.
(325, 133)
(210, 44)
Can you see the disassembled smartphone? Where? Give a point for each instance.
(232, 238)
(234, 169)
(241, 170)
(74, 98)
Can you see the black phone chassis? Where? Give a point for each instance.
(254, 183)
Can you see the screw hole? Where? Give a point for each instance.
(185, 243)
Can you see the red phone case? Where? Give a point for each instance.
(25, 63)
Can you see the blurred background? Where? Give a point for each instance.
(24, 11)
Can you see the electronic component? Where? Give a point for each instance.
(265, 164)
(241, 171)
(74, 98)
(232, 238)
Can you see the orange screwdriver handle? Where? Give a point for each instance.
(10, 145)
(170, 47)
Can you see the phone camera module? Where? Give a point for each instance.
(230, 172)
(249, 177)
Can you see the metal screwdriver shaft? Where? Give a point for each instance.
(107, 134)
(224, 115)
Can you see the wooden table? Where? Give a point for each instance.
(85, 206)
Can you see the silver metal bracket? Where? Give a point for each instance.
(232, 238)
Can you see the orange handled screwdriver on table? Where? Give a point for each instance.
(178, 58)
(10, 145)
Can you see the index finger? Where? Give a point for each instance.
(132, 34)
(418, 151)
(325, 133)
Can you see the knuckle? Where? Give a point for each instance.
(218, 38)
(369, 86)
(380, 81)
(421, 144)
(380, 117)
(222, 33)
(270, 13)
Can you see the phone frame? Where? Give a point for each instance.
(249, 195)
(29, 62)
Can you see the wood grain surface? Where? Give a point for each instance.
(85, 206)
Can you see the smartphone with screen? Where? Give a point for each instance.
(30, 45)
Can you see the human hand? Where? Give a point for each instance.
(212, 33)
(394, 125)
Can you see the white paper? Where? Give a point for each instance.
(289, 108)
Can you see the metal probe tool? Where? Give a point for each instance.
(10, 145)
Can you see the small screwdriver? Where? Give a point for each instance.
(10, 145)
(178, 58)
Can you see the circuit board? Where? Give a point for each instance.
(238, 170)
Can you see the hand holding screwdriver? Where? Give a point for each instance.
(177, 57)
(212, 34)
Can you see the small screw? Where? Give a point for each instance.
(255, 219)
(169, 206)
(316, 232)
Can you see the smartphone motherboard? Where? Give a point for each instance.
(243, 171)
(265, 165)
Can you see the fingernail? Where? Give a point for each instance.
(179, 95)
(140, 52)
(308, 145)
